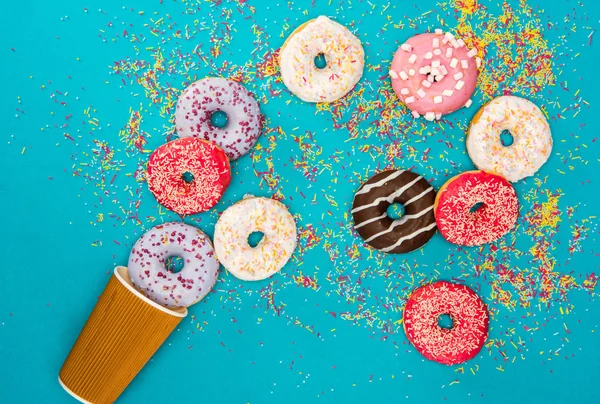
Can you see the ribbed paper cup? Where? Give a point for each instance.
(123, 332)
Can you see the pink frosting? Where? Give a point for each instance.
(420, 45)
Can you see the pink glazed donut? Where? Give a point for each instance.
(434, 74)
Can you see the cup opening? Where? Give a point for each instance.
(122, 275)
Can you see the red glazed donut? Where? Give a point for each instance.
(470, 320)
(496, 215)
(188, 175)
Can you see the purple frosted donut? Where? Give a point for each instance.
(203, 98)
(148, 271)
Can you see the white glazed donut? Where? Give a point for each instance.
(532, 140)
(244, 120)
(255, 214)
(343, 54)
(150, 276)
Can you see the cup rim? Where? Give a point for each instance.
(75, 396)
(122, 274)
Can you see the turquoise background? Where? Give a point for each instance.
(326, 329)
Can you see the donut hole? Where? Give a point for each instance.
(320, 61)
(434, 79)
(174, 264)
(476, 207)
(445, 321)
(395, 211)
(219, 119)
(187, 177)
(506, 138)
(255, 238)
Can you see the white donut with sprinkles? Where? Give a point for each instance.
(255, 214)
(532, 140)
(343, 53)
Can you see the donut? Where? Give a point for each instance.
(255, 214)
(149, 274)
(476, 207)
(199, 101)
(188, 175)
(532, 140)
(343, 54)
(383, 233)
(434, 74)
(470, 321)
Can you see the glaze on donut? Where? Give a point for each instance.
(343, 54)
(434, 74)
(148, 271)
(255, 214)
(199, 101)
(381, 232)
(204, 160)
(532, 140)
(470, 321)
(496, 216)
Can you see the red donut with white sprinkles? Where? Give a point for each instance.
(188, 175)
(459, 342)
(476, 207)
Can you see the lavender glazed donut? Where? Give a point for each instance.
(149, 274)
(200, 100)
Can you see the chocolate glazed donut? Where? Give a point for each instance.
(403, 235)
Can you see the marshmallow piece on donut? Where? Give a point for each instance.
(458, 76)
(426, 83)
(411, 72)
(461, 43)
(428, 55)
(430, 116)
(406, 47)
(468, 104)
(437, 52)
(415, 114)
(403, 75)
(439, 77)
(435, 63)
(437, 99)
(459, 85)
(438, 116)
(444, 70)
(409, 100)
(405, 91)
(439, 31)
(412, 59)
(430, 78)
(425, 69)
(421, 93)
(449, 53)
(464, 64)
(478, 62)
(393, 74)
(453, 63)
(436, 43)
(448, 93)
(472, 52)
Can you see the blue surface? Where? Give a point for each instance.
(327, 328)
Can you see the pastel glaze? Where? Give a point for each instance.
(200, 100)
(420, 45)
(150, 275)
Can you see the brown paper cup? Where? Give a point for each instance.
(120, 336)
